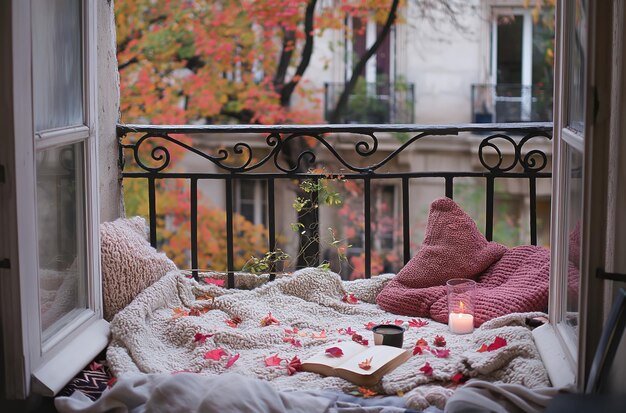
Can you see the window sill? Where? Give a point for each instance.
(50, 378)
(552, 354)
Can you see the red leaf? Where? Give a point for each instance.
(232, 360)
(427, 369)
(398, 322)
(499, 342)
(417, 350)
(201, 338)
(349, 331)
(269, 320)
(179, 312)
(417, 323)
(294, 365)
(293, 341)
(421, 343)
(233, 322)
(366, 364)
(322, 334)
(439, 341)
(370, 325)
(219, 283)
(294, 331)
(349, 298)
(443, 353)
(458, 377)
(359, 339)
(216, 354)
(367, 392)
(273, 360)
(334, 352)
(482, 348)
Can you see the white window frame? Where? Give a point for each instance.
(259, 201)
(527, 58)
(53, 363)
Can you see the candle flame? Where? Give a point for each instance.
(462, 306)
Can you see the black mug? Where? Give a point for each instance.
(388, 335)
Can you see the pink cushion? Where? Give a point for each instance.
(518, 282)
(453, 247)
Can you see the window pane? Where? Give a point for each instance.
(576, 75)
(510, 29)
(57, 63)
(61, 232)
(574, 194)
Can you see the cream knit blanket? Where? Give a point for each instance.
(147, 336)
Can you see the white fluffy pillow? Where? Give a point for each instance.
(129, 263)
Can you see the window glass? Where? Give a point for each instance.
(574, 196)
(61, 233)
(576, 69)
(509, 64)
(57, 63)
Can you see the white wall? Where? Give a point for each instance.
(111, 203)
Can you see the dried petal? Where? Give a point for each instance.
(219, 283)
(359, 339)
(499, 342)
(334, 352)
(458, 377)
(273, 360)
(294, 365)
(370, 325)
(367, 392)
(439, 341)
(443, 353)
(417, 350)
(349, 298)
(366, 364)
(421, 343)
(269, 320)
(232, 360)
(322, 334)
(216, 354)
(201, 338)
(417, 323)
(427, 370)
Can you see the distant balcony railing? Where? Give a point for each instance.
(373, 103)
(504, 103)
(149, 153)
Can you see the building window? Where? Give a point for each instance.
(251, 201)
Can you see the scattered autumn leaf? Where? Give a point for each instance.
(179, 312)
(232, 360)
(441, 353)
(458, 377)
(293, 341)
(269, 320)
(482, 348)
(233, 322)
(322, 334)
(359, 339)
(421, 343)
(273, 360)
(417, 323)
(370, 325)
(334, 352)
(294, 365)
(291, 331)
(440, 341)
(398, 322)
(219, 283)
(201, 338)
(216, 354)
(417, 350)
(367, 392)
(198, 311)
(205, 297)
(498, 342)
(350, 299)
(427, 369)
(366, 364)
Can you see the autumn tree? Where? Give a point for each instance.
(242, 61)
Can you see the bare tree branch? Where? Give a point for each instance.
(360, 66)
(289, 39)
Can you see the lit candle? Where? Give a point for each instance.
(461, 323)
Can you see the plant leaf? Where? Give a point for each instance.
(367, 392)
(216, 354)
(417, 323)
(201, 338)
(232, 360)
(427, 369)
(273, 360)
(370, 325)
(366, 364)
(359, 339)
(269, 320)
(499, 342)
(440, 341)
(334, 352)
(441, 353)
(322, 334)
(219, 283)
(294, 365)
(350, 299)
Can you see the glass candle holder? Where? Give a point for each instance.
(461, 305)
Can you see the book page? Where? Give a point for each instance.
(349, 348)
(380, 355)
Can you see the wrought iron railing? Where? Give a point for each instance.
(373, 103)
(256, 152)
(504, 103)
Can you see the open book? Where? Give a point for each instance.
(383, 360)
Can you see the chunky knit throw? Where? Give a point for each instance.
(153, 335)
(129, 264)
